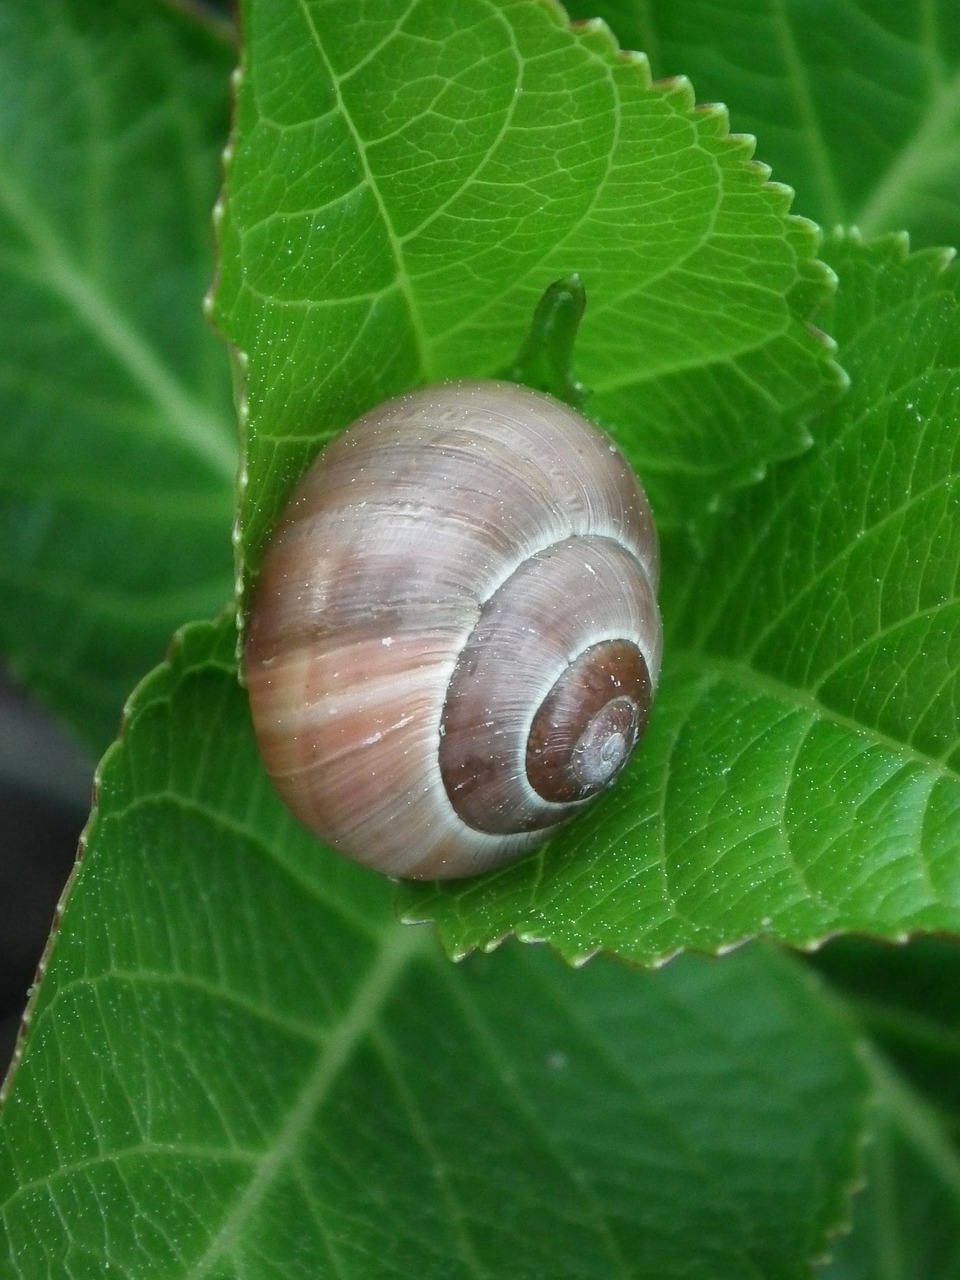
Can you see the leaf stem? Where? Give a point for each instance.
(544, 361)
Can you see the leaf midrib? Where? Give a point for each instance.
(393, 240)
(201, 431)
(399, 947)
(817, 150)
(886, 207)
(916, 1119)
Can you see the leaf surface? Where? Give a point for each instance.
(856, 102)
(799, 772)
(907, 999)
(117, 449)
(906, 1219)
(405, 181)
(239, 1064)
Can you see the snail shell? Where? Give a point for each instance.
(454, 638)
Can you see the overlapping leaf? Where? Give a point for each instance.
(857, 102)
(258, 1072)
(908, 999)
(117, 450)
(906, 1218)
(406, 179)
(800, 770)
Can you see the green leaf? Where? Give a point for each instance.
(404, 182)
(239, 1064)
(799, 772)
(908, 1000)
(856, 103)
(906, 1220)
(117, 452)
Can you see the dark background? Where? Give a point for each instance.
(46, 783)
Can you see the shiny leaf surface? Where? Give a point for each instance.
(799, 772)
(260, 1073)
(405, 183)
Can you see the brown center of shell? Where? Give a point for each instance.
(587, 725)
